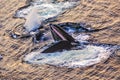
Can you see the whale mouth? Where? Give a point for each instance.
(65, 51)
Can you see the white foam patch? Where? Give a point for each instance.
(40, 10)
(82, 37)
(74, 58)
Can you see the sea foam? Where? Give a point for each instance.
(40, 10)
(73, 58)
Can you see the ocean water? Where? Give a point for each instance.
(40, 10)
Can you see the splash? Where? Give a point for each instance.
(87, 56)
(40, 10)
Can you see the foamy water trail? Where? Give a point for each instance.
(73, 58)
(40, 10)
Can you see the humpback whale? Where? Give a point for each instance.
(65, 50)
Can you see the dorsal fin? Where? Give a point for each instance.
(59, 34)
